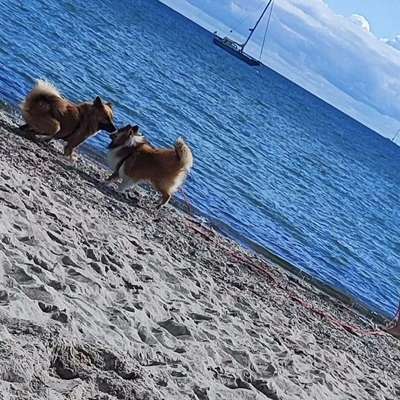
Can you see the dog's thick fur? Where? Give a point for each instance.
(47, 113)
(134, 159)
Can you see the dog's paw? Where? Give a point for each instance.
(29, 134)
(72, 157)
(44, 139)
(161, 206)
(112, 178)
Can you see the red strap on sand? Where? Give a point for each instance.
(208, 234)
(347, 327)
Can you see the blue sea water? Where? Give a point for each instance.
(274, 163)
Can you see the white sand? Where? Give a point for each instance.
(107, 298)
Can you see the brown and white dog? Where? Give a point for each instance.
(47, 113)
(134, 159)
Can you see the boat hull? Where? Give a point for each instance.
(239, 54)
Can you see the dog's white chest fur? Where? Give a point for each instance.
(113, 159)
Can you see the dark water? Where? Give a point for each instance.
(273, 163)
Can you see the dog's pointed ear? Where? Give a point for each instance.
(135, 129)
(109, 105)
(97, 102)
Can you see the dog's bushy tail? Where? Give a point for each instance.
(184, 154)
(41, 97)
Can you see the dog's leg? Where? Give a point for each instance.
(69, 148)
(73, 141)
(115, 174)
(69, 152)
(126, 184)
(44, 129)
(30, 134)
(36, 137)
(45, 139)
(166, 197)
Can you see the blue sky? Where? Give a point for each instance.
(345, 51)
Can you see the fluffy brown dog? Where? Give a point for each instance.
(47, 113)
(133, 159)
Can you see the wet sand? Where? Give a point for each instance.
(104, 297)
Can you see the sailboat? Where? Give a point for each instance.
(237, 49)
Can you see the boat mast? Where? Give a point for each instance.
(395, 136)
(255, 26)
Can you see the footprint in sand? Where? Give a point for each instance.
(28, 240)
(242, 357)
(39, 293)
(17, 227)
(21, 276)
(97, 268)
(201, 393)
(68, 261)
(137, 267)
(175, 328)
(76, 276)
(146, 336)
(40, 262)
(56, 313)
(92, 254)
(47, 308)
(58, 239)
(200, 317)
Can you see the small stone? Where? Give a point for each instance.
(180, 350)
(138, 305)
(60, 316)
(146, 278)
(129, 309)
(197, 296)
(47, 308)
(179, 374)
(162, 382)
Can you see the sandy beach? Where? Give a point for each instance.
(104, 297)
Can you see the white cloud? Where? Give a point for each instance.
(326, 53)
(361, 21)
(395, 42)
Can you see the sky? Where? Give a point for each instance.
(345, 51)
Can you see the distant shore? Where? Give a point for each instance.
(103, 297)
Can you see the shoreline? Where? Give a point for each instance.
(104, 297)
(377, 315)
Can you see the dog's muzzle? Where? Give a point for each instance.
(107, 127)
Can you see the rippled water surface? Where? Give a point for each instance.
(273, 163)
